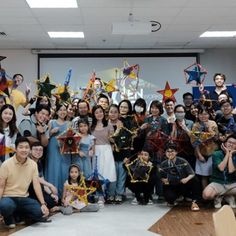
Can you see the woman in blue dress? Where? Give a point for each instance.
(57, 164)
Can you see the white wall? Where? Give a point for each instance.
(23, 62)
(214, 60)
(219, 61)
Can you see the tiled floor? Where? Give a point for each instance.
(112, 220)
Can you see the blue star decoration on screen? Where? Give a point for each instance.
(195, 74)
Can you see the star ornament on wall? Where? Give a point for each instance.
(45, 88)
(69, 142)
(195, 74)
(168, 93)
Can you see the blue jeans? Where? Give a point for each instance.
(23, 206)
(121, 177)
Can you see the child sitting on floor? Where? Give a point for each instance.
(75, 193)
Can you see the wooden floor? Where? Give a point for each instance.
(181, 221)
(5, 231)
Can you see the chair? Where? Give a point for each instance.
(224, 222)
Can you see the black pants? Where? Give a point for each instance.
(142, 188)
(191, 189)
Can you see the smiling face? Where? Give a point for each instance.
(203, 116)
(113, 114)
(104, 103)
(83, 128)
(74, 173)
(42, 116)
(155, 111)
(219, 81)
(18, 80)
(22, 151)
(171, 153)
(62, 112)
(231, 143)
(169, 107)
(83, 109)
(7, 115)
(99, 114)
(143, 155)
(70, 111)
(226, 108)
(37, 152)
(124, 108)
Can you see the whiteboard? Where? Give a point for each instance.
(153, 74)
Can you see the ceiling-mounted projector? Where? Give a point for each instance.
(132, 28)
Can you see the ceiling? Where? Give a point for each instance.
(182, 22)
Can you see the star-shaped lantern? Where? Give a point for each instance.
(195, 74)
(80, 193)
(4, 83)
(3, 148)
(168, 93)
(45, 88)
(69, 142)
(123, 138)
(97, 181)
(63, 93)
(139, 170)
(156, 142)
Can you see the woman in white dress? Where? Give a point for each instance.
(102, 132)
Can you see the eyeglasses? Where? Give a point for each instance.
(226, 106)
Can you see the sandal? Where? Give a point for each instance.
(194, 206)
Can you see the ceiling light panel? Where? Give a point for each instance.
(52, 3)
(66, 34)
(218, 34)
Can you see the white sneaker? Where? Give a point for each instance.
(150, 202)
(118, 199)
(134, 201)
(11, 226)
(217, 202)
(231, 201)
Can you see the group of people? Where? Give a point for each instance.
(171, 150)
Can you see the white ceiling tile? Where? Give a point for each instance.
(50, 12)
(17, 20)
(155, 12)
(210, 3)
(104, 3)
(182, 22)
(102, 15)
(13, 3)
(15, 12)
(59, 20)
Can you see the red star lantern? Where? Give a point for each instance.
(69, 142)
(168, 93)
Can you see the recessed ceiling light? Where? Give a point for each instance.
(218, 34)
(52, 3)
(66, 34)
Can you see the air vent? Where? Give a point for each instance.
(3, 34)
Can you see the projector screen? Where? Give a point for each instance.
(155, 71)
